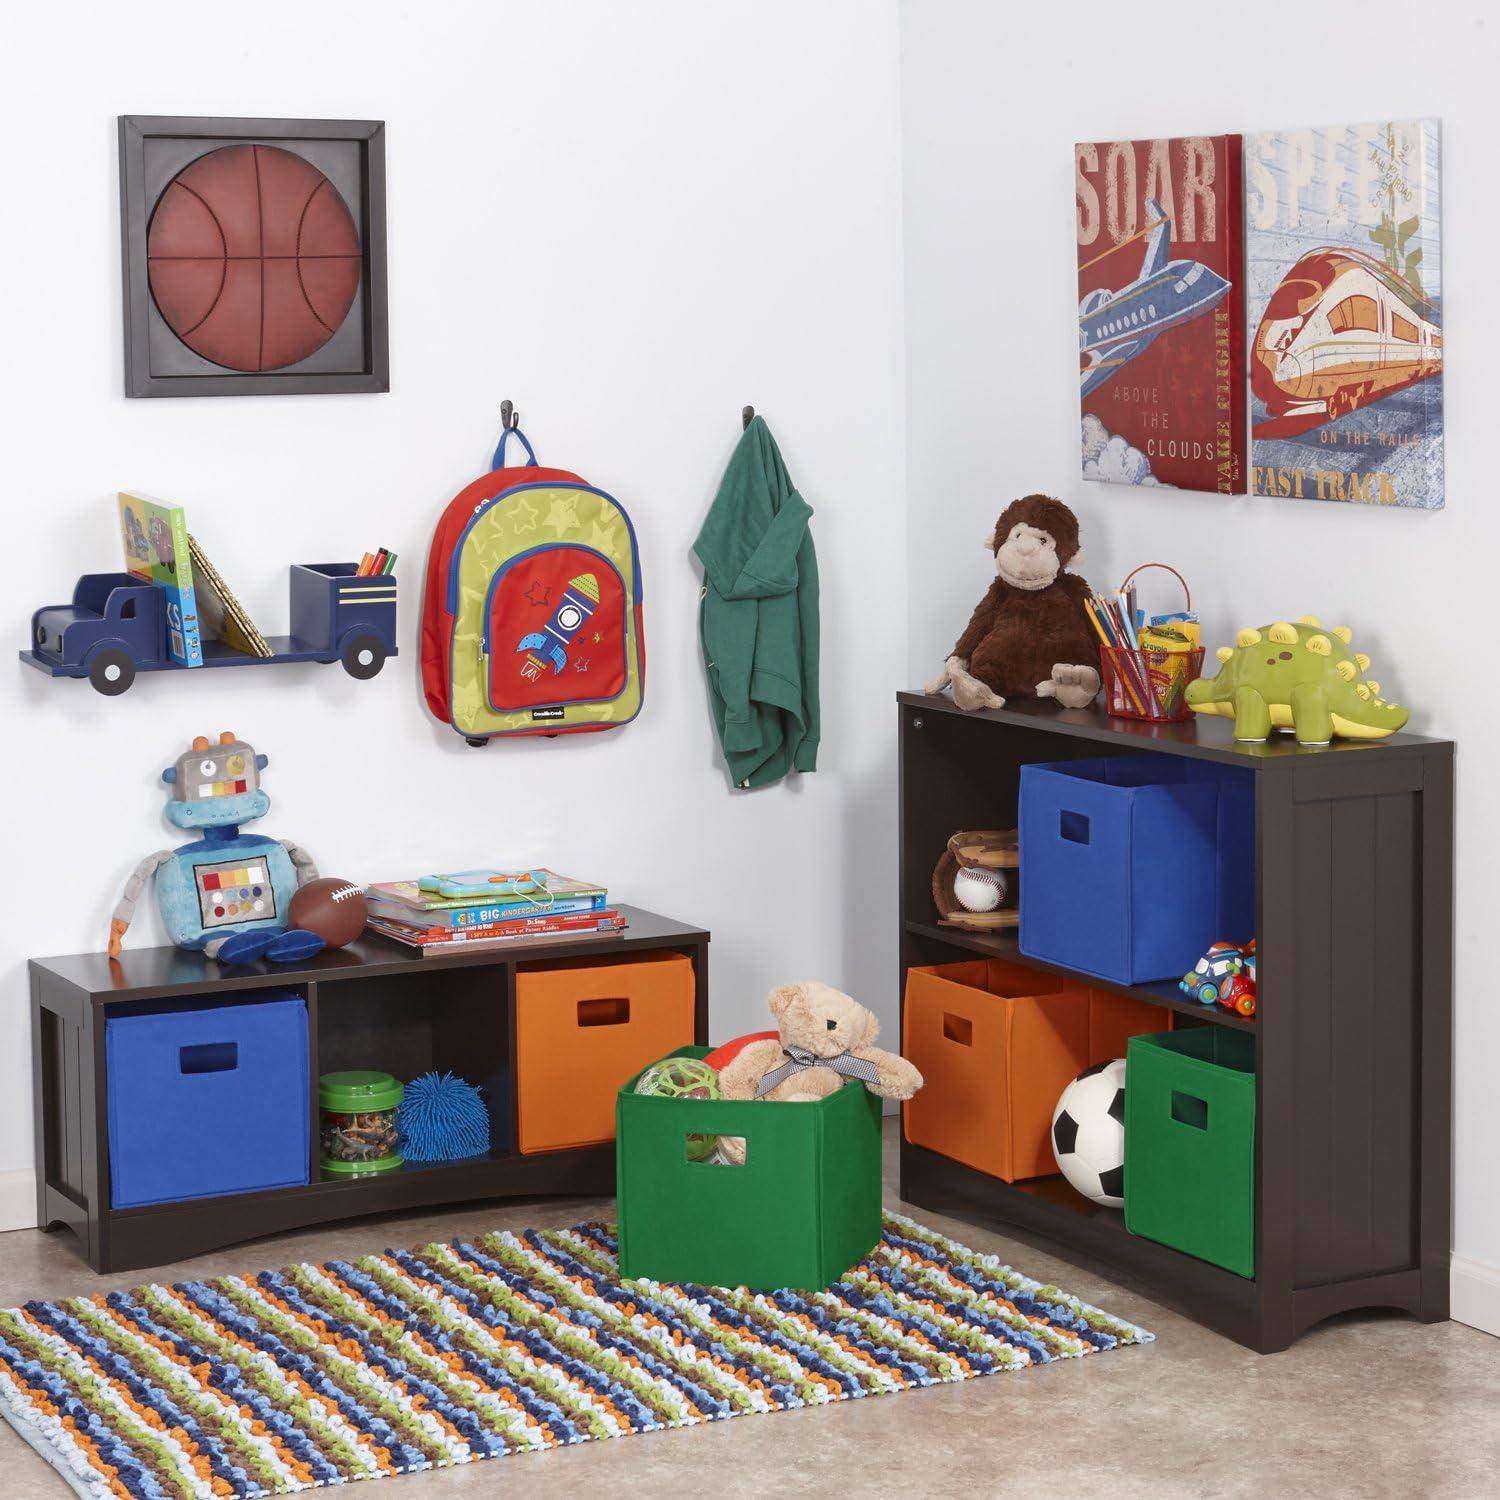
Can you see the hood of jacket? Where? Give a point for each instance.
(753, 531)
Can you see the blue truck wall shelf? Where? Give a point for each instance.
(116, 626)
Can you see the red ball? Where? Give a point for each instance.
(334, 909)
(253, 257)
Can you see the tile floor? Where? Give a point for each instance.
(1365, 1406)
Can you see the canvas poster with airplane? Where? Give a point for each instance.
(1346, 348)
(1161, 313)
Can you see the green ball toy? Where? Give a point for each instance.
(683, 1078)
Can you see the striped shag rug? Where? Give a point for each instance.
(281, 1380)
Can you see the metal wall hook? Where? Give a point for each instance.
(747, 417)
(509, 416)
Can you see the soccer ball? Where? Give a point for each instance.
(683, 1078)
(1088, 1133)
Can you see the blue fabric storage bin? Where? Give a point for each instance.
(1234, 862)
(1120, 865)
(209, 1101)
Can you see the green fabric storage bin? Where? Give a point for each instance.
(803, 1208)
(1190, 1143)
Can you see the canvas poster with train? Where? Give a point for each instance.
(1161, 313)
(1345, 303)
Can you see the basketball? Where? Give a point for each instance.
(253, 257)
(334, 909)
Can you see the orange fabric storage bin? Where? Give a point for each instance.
(582, 1029)
(997, 1044)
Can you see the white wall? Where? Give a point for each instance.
(993, 100)
(713, 218)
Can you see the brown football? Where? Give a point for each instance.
(334, 909)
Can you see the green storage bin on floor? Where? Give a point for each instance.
(803, 1208)
(1190, 1143)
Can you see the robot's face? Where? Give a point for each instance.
(213, 785)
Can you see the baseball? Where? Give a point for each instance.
(979, 890)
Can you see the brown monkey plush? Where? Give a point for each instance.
(1030, 635)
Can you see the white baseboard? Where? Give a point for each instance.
(17, 1200)
(1474, 1294)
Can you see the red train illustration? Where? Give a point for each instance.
(1341, 330)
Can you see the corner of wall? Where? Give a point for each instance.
(17, 1199)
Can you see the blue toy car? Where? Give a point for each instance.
(1225, 975)
(117, 624)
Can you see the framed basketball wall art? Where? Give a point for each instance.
(1160, 311)
(254, 256)
(1346, 322)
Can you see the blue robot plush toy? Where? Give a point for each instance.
(227, 894)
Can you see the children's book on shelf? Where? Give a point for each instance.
(157, 551)
(221, 615)
(431, 901)
(481, 913)
(424, 941)
(468, 885)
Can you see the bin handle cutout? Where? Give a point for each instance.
(613, 1010)
(209, 1057)
(1073, 826)
(958, 1029)
(714, 1159)
(1189, 1109)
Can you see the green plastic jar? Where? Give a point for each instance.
(357, 1133)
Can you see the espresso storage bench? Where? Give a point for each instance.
(202, 1033)
(1290, 1166)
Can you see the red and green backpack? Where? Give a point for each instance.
(531, 621)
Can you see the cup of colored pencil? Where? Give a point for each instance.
(1146, 664)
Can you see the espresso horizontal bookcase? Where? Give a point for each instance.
(369, 1006)
(1354, 922)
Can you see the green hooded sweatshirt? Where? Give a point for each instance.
(759, 617)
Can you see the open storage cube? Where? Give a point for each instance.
(206, 1099)
(1132, 865)
(803, 1208)
(996, 1045)
(1190, 1143)
(453, 1021)
(582, 1029)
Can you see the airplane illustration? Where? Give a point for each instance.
(1115, 326)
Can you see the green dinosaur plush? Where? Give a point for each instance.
(1298, 677)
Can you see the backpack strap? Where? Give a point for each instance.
(498, 462)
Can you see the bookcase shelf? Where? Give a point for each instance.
(1354, 917)
(1006, 945)
(370, 1005)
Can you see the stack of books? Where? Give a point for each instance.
(450, 913)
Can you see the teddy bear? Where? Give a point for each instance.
(824, 1038)
(1030, 634)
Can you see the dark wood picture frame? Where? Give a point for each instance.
(141, 378)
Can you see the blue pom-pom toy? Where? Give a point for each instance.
(442, 1118)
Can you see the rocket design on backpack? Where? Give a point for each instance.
(531, 622)
(579, 601)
